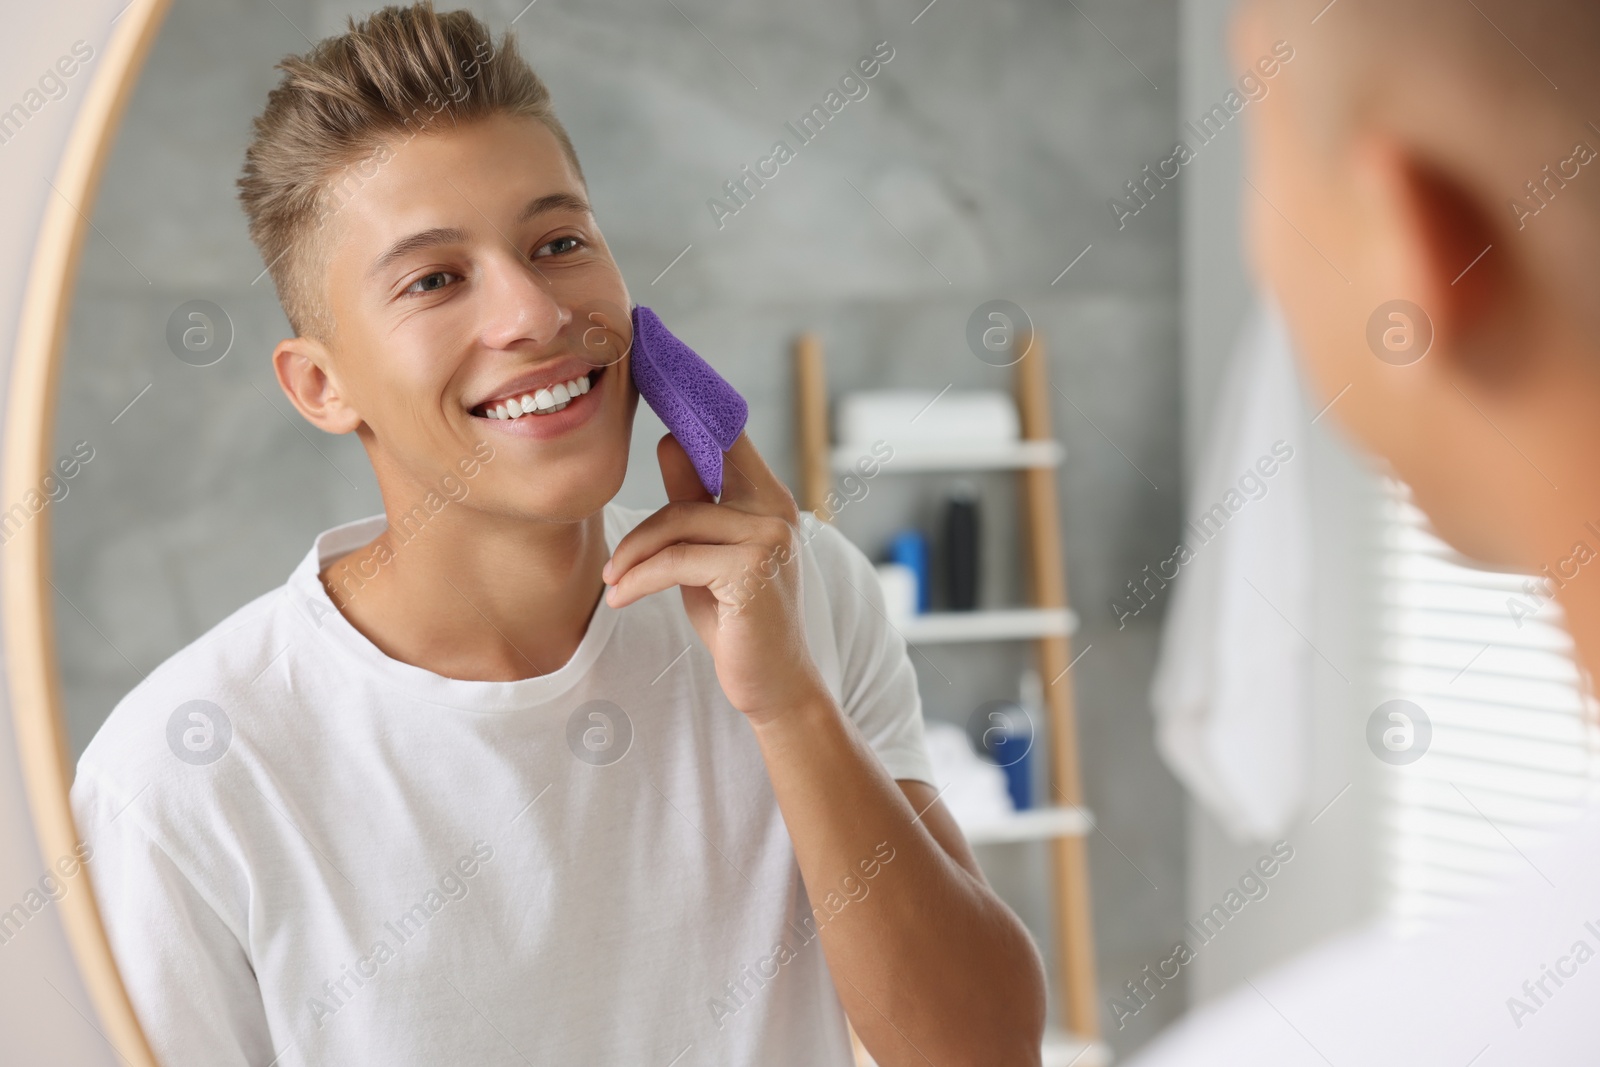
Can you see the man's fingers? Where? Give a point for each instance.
(713, 567)
(688, 520)
(665, 549)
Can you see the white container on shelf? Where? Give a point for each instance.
(899, 583)
(911, 417)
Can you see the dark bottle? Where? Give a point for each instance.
(961, 548)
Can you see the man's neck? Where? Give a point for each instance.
(1567, 548)
(475, 596)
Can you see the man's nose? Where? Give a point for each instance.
(519, 304)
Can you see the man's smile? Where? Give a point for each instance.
(537, 393)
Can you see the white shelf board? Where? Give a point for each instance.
(988, 455)
(1065, 1050)
(1035, 824)
(1006, 624)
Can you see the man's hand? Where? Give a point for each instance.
(976, 992)
(736, 563)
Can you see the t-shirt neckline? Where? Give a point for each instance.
(329, 625)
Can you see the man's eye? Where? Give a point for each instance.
(575, 244)
(429, 282)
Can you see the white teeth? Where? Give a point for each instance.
(543, 402)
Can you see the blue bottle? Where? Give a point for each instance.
(1003, 731)
(1013, 752)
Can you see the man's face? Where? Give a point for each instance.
(465, 275)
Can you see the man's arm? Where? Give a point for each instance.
(930, 965)
(188, 977)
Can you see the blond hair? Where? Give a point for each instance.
(338, 110)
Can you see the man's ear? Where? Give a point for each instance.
(303, 370)
(1437, 243)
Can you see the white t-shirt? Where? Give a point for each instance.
(306, 852)
(1514, 983)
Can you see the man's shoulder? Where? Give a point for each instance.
(840, 570)
(833, 551)
(191, 700)
(843, 600)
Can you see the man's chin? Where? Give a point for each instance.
(543, 499)
(562, 481)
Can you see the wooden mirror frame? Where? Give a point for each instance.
(32, 668)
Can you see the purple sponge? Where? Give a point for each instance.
(702, 410)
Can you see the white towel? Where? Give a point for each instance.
(974, 790)
(926, 417)
(1232, 691)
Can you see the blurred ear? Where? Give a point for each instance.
(301, 365)
(1438, 244)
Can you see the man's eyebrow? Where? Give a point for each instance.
(443, 235)
(439, 235)
(554, 202)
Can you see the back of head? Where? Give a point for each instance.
(1498, 92)
(1425, 201)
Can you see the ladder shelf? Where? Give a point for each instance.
(1047, 622)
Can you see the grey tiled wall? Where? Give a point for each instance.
(979, 166)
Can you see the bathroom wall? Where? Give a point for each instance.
(981, 165)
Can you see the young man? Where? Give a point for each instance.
(1443, 155)
(510, 774)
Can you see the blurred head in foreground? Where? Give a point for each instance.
(1426, 206)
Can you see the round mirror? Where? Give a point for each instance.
(163, 484)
